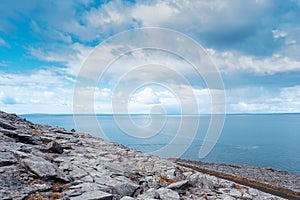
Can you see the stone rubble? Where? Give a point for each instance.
(42, 162)
(281, 181)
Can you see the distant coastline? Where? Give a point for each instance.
(145, 114)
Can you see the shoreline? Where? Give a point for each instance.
(231, 148)
(277, 182)
(43, 162)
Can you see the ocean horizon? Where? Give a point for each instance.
(260, 139)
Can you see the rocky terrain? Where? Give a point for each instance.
(43, 162)
(274, 181)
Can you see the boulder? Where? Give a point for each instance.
(44, 169)
(54, 147)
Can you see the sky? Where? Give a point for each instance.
(255, 46)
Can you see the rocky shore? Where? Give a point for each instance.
(43, 162)
(277, 182)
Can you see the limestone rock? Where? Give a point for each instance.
(6, 159)
(93, 195)
(126, 189)
(40, 166)
(54, 147)
(166, 194)
(6, 125)
(23, 137)
(177, 185)
(127, 198)
(43, 168)
(149, 194)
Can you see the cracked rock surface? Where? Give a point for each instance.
(279, 180)
(42, 162)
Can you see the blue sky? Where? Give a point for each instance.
(254, 44)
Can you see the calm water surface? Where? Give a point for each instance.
(263, 140)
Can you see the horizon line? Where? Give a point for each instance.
(111, 114)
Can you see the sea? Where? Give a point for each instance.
(262, 140)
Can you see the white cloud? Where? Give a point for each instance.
(279, 34)
(97, 23)
(44, 92)
(202, 18)
(49, 94)
(290, 42)
(232, 61)
(144, 100)
(291, 94)
(243, 107)
(265, 100)
(146, 96)
(172, 102)
(40, 91)
(37, 79)
(164, 12)
(72, 56)
(104, 16)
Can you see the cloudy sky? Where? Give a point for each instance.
(254, 44)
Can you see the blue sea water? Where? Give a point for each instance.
(263, 140)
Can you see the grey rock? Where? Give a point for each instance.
(166, 194)
(6, 125)
(61, 176)
(93, 195)
(202, 181)
(87, 179)
(40, 167)
(267, 176)
(6, 159)
(149, 194)
(73, 193)
(178, 173)
(178, 185)
(44, 168)
(63, 131)
(76, 172)
(5, 195)
(23, 137)
(86, 186)
(226, 197)
(127, 198)
(54, 147)
(205, 183)
(126, 189)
